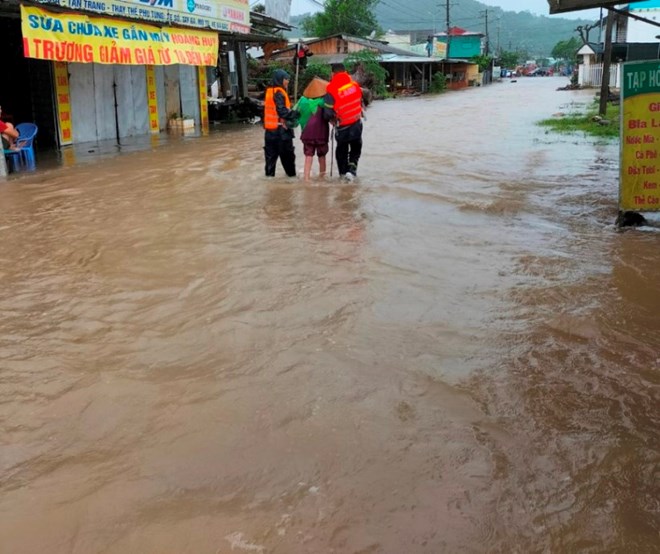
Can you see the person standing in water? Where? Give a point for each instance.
(315, 127)
(344, 104)
(279, 120)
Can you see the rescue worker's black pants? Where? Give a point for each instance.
(349, 148)
(276, 146)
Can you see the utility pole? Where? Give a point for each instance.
(447, 6)
(487, 49)
(607, 61)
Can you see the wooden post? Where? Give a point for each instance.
(295, 85)
(607, 57)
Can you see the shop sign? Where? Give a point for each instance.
(152, 99)
(639, 183)
(63, 103)
(203, 98)
(71, 37)
(227, 15)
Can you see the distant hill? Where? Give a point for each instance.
(523, 31)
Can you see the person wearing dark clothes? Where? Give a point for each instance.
(300, 54)
(344, 102)
(279, 120)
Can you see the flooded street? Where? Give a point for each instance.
(457, 353)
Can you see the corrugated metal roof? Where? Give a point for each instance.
(648, 5)
(396, 58)
(386, 58)
(559, 6)
(379, 45)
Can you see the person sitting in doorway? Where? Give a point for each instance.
(9, 135)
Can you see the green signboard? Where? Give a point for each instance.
(639, 184)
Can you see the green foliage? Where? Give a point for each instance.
(351, 17)
(583, 123)
(364, 64)
(374, 74)
(438, 83)
(313, 69)
(509, 59)
(260, 73)
(519, 30)
(485, 62)
(567, 49)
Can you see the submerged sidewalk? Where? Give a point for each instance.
(90, 152)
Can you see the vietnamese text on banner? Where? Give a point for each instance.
(71, 37)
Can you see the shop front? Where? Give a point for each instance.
(114, 78)
(87, 71)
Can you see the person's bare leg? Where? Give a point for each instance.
(10, 136)
(308, 167)
(322, 166)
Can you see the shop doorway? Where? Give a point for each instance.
(108, 102)
(27, 93)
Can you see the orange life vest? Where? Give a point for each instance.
(348, 103)
(271, 120)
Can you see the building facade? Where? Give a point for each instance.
(640, 31)
(89, 71)
(463, 44)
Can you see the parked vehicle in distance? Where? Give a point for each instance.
(540, 72)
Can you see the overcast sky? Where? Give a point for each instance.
(538, 7)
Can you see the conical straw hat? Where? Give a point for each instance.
(315, 88)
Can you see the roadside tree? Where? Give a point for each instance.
(509, 59)
(352, 17)
(567, 49)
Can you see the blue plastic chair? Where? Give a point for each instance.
(14, 159)
(25, 141)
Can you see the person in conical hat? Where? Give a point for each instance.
(316, 88)
(315, 128)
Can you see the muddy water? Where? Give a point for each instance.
(457, 353)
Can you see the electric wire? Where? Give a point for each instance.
(472, 21)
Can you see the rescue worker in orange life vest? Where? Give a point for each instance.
(343, 101)
(279, 120)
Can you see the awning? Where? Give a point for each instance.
(560, 6)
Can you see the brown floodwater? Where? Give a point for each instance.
(458, 352)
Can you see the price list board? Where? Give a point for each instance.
(639, 184)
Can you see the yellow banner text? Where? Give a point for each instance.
(69, 37)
